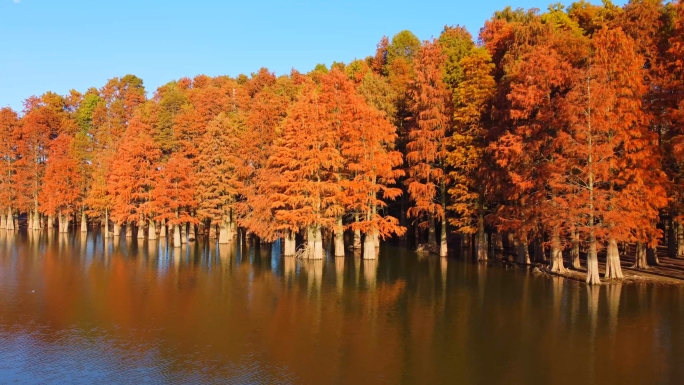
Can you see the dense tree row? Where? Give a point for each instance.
(556, 133)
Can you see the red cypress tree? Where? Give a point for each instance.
(9, 130)
(216, 182)
(309, 163)
(613, 153)
(427, 148)
(173, 195)
(133, 175)
(60, 193)
(472, 101)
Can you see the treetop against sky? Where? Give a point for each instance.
(60, 45)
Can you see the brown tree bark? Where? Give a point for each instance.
(640, 261)
(613, 268)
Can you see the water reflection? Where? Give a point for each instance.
(206, 313)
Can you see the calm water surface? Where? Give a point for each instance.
(80, 310)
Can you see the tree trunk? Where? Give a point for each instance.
(51, 222)
(314, 242)
(538, 248)
(357, 239)
(192, 234)
(10, 219)
(3, 219)
(183, 236)
(431, 233)
(318, 244)
(613, 268)
(523, 251)
(129, 230)
(497, 245)
(369, 250)
(290, 243)
(339, 238)
(652, 255)
(162, 229)
(556, 253)
(680, 240)
(481, 243)
(225, 235)
(443, 250)
(152, 231)
(141, 229)
(592, 263)
(106, 225)
(671, 236)
(575, 251)
(177, 242)
(84, 222)
(212, 231)
(117, 229)
(640, 261)
(64, 219)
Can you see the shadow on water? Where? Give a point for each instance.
(130, 309)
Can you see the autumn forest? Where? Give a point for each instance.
(555, 135)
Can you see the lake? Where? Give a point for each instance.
(81, 309)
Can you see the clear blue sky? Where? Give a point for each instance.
(58, 45)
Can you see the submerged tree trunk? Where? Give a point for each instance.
(640, 261)
(117, 229)
(3, 220)
(556, 253)
(481, 243)
(339, 238)
(10, 219)
(290, 243)
(431, 232)
(523, 251)
(152, 231)
(497, 245)
(369, 249)
(315, 242)
(64, 223)
(106, 225)
(129, 230)
(443, 249)
(36, 220)
(592, 262)
(162, 229)
(177, 242)
(613, 268)
(192, 232)
(212, 231)
(141, 229)
(225, 234)
(183, 237)
(84, 222)
(51, 222)
(356, 243)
